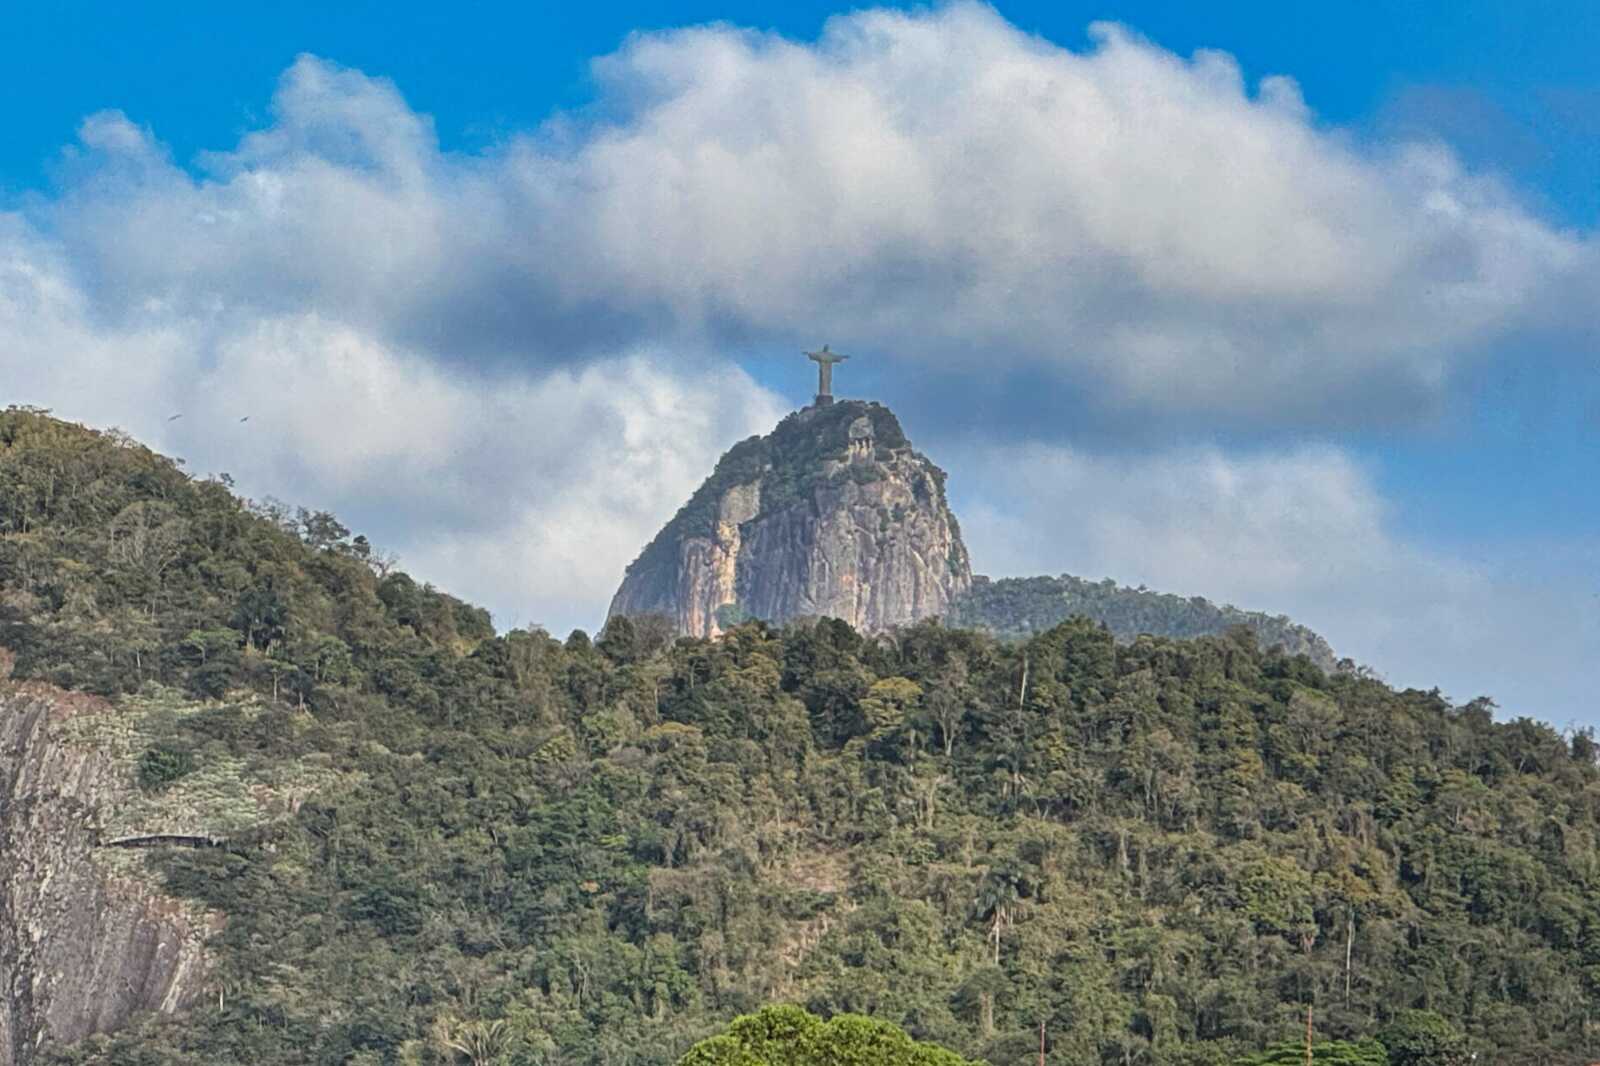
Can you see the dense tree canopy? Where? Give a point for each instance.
(1423, 1038)
(600, 851)
(1332, 1053)
(790, 1036)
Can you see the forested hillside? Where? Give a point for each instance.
(1023, 606)
(599, 851)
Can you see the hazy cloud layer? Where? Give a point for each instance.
(513, 366)
(1304, 532)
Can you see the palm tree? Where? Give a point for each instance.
(482, 1043)
(995, 903)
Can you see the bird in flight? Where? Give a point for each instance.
(175, 417)
(246, 418)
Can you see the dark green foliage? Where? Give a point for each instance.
(162, 765)
(1332, 1053)
(1423, 1038)
(730, 615)
(790, 1036)
(600, 851)
(1023, 606)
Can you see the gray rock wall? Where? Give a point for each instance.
(876, 553)
(867, 537)
(81, 948)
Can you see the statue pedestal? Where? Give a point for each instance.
(824, 399)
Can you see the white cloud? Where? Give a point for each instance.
(940, 183)
(923, 185)
(1304, 533)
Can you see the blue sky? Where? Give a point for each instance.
(1512, 88)
(1309, 328)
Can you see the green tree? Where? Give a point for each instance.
(790, 1036)
(1423, 1038)
(1327, 1053)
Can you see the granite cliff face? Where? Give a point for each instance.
(86, 941)
(832, 514)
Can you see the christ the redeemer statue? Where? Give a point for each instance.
(825, 360)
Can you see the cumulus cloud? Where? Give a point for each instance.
(1305, 533)
(925, 185)
(1143, 220)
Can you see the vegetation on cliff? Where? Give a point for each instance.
(600, 851)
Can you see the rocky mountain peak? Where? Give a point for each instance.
(832, 514)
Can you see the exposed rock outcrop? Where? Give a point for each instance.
(82, 947)
(832, 514)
